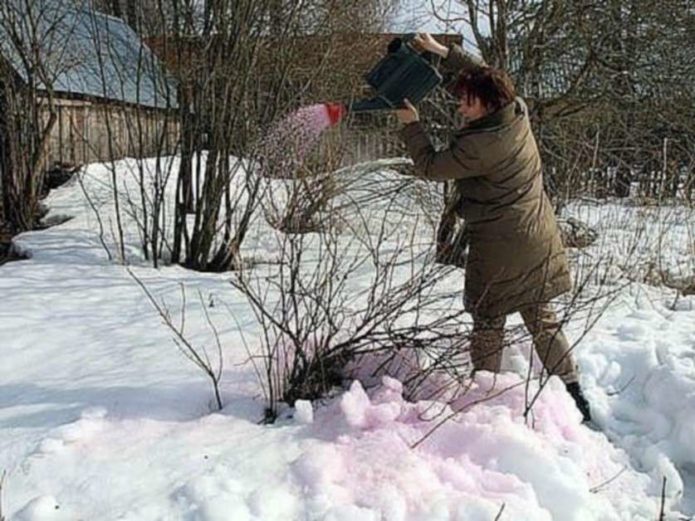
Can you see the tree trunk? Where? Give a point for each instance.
(132, 15)
(4, 152)
(116, 8)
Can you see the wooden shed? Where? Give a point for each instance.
(110, 93)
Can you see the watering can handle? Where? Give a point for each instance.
(409, 40)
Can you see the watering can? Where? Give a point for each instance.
(404, 73)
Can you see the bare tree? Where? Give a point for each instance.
(147, 125)
(224, 113)
(605, 85)
(30, 60)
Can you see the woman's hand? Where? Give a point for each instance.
(428, 43)
(409, 114)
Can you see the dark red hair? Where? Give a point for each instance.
(492, 86)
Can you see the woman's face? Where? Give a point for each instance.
(471, 108)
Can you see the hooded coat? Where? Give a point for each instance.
(516, 257)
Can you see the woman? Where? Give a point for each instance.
(516, 260)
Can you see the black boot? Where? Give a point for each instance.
(578, 397)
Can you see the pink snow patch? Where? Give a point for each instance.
(480, 459)
(361, 412)
(287, 144)
(552, 413)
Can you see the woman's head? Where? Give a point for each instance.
(482, 91)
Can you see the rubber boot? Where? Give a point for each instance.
(579, 399)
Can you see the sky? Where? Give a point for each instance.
(433, 16)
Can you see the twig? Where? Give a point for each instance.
(499, 514)
(618, 391)
(663, 500)
(97, 214)
(184, 345)
(251, 357)
(598, 487)
(463, 408)
(2, 483)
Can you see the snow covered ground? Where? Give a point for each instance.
(102, 418)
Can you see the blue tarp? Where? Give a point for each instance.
(84, 52)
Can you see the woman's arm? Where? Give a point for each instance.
(428, 43)
(461, 160)
(455, 59)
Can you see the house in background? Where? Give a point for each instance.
(111, 94)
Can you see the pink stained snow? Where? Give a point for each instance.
(287, 144)
(473, 464)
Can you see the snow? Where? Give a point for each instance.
(653, 243)
(101, 417)
(303, 411)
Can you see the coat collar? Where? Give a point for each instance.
(504, 116)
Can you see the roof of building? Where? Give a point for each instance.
(83, 52)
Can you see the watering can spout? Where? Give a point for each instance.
(336, 112)
(371, 104)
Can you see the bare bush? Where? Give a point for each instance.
(404, 320)
(198, 355)
(226, 113)
(315, 324)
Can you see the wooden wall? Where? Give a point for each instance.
(88, 131)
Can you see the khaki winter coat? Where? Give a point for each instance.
(516, 257)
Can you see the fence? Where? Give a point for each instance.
(369, 145)
(360, 142)
(676, 182)
(673, 180)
